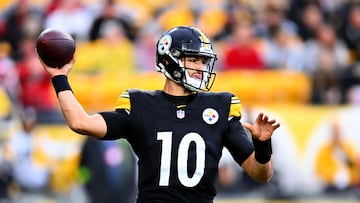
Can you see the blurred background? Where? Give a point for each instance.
(297, 60)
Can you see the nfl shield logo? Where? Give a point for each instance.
(180, 114)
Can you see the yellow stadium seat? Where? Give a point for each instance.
(99, 92)
(212, 21)
(5, 104)
(179, 15)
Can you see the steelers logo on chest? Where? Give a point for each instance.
(210, 116)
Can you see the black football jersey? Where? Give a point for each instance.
(178, 146)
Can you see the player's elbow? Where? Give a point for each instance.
(258, 171)
(77, 126)
(263, 176)
(262, 172)
(88, 126)
(266, 177)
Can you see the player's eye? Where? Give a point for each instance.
(191, 59)
(197, 60)
(205, 61)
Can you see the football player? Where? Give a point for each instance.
(177, 133)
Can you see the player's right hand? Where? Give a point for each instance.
(65, 70)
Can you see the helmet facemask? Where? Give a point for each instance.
(206, 79)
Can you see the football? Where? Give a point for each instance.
(55, 47)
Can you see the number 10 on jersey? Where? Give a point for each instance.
(182, 159)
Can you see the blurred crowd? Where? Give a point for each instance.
(314, 37)
(318, 38)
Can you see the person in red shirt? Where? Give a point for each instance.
(242, 52)
(35, 87)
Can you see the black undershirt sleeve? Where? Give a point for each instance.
(118, 124)
(237, 142)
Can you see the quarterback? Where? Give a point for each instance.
(177, 133)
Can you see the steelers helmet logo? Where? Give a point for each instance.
(210, 116)
(164, 44)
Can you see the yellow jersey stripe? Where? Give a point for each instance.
(235, 100)
(123, 101)
(235, 107)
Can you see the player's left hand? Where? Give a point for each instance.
(263, 128)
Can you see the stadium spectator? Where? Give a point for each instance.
(72, 16)
(350, 30)
(5, 181)
(145, 44)
(350, 82)
(9, 80)
(112, 11)
(336, 162)
(326, 56)
(326, 81)
(108, 171)
(272, 19)
(6, 177)
(284, 50)
(22, 19)
(310, 18)
(24, 151)
(112, 52)
(241, 47)
(35, 88)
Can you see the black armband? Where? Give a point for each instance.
(60, 83)
(263, 150)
